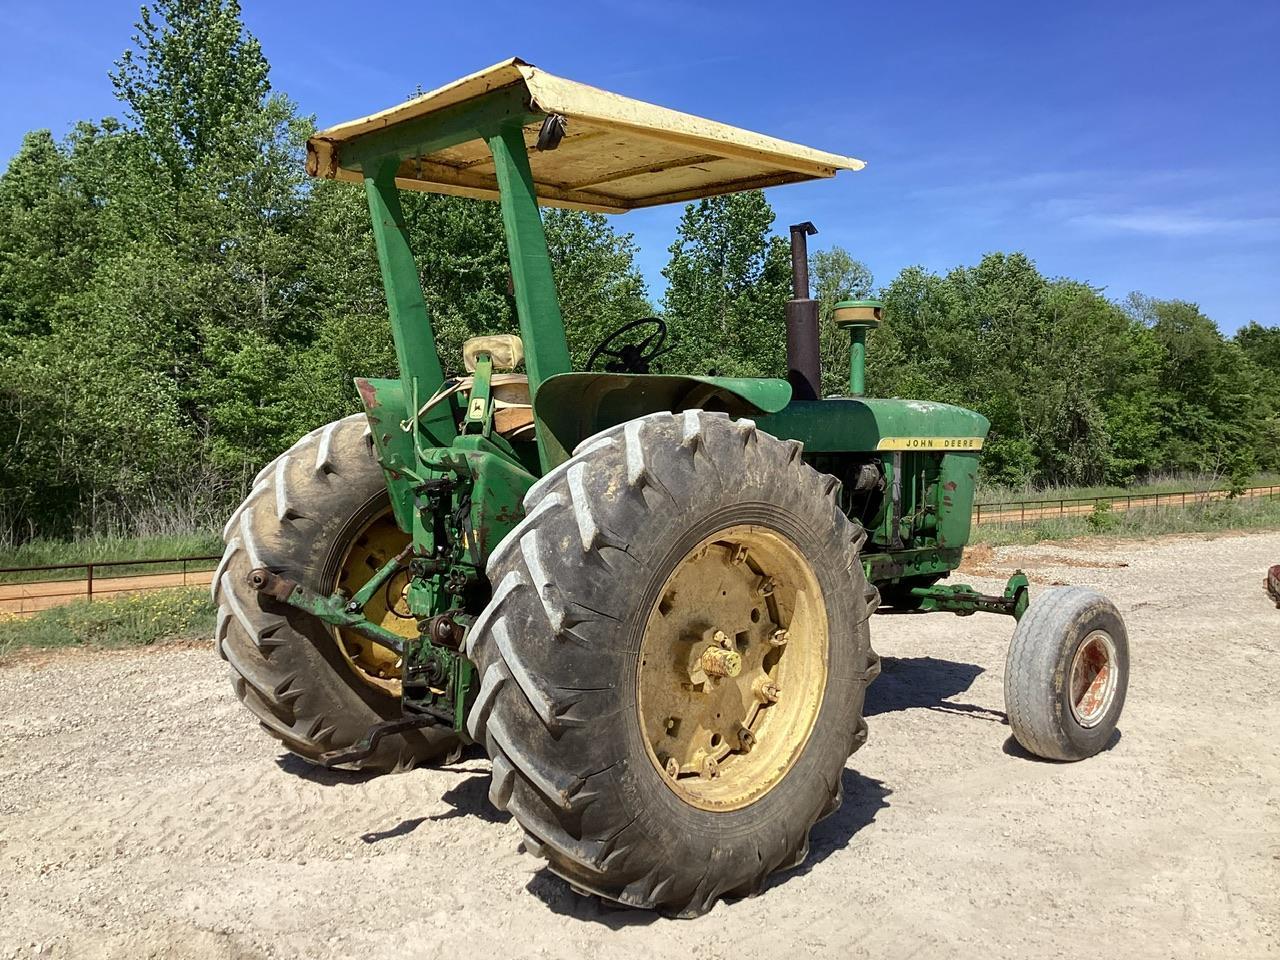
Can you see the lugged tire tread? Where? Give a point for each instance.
(549, 808)
(256, 643)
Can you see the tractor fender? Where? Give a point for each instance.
(570, 407)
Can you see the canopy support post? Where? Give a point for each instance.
(546, 350)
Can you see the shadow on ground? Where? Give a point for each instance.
(863, 799)
(927, 683)
(463, 762)
(1013, 748)
(466, 798)
(325, 776)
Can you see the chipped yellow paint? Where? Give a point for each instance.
(617, 154)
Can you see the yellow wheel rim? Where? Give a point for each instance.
(375, 544)
(732, 668)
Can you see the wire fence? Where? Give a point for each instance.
(1029, 511)
(95, 579)
(23, 591)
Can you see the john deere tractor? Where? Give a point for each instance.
(645, 594)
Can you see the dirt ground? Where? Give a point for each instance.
(142, 814)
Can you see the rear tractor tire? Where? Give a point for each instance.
(1067, 674)
(674, 661)
(320, 515)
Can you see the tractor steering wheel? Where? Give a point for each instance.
(634, 355)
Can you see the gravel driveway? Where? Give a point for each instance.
(142, 814)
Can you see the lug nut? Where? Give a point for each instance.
(746, 739)
(673, 768)
(722, 638)
(766, 691)
(710, 768)
(779, 638)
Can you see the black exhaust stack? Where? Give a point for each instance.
(804, 366)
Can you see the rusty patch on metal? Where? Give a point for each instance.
(368, 394)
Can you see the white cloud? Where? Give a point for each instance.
(1172, 222)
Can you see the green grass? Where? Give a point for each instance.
(1221, 515)
(995, 495)
(140, 619)
(36, 553)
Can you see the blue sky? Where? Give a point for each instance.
(1132, 145)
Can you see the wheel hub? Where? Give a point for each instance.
(720, 661)
(1093, 678)
(732, 667)
(369, 550)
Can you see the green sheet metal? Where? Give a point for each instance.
(841, 425)
(573, 406)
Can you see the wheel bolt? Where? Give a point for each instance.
(779, 638)
(673, 768)
(766, 691)
(710, 768)
(746, 739)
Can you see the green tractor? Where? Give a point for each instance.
(646, 595)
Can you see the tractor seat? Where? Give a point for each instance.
(512, 409)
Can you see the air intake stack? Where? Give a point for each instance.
(858, 317)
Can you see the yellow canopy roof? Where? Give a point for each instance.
(617, 153)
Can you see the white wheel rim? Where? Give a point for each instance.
(1094, 678)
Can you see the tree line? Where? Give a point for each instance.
(178, 303)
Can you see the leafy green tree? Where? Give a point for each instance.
(834, 276)
(1261, 348)
(1065, 377)
(1209, 419)
(727, 280)
(1261, 345)
(193, 76)
(599, 285)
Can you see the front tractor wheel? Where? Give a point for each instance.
(319, 515)
(674, 660)
(1067, 674)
